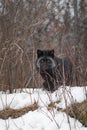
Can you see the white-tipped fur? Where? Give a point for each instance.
(53, 62)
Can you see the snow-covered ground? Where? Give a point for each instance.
(42, 118)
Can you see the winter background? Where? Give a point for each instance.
(43, 118)
(25, 26)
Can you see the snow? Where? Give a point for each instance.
(42, 118)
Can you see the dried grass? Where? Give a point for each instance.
(15, 113)
(75, 110)
(78, 111)
(53, 105)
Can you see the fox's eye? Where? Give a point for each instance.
(42, 60)
(48, 61)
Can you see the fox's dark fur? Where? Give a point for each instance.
(55, 71)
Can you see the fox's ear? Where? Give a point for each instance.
(39, 53)
(52, 53)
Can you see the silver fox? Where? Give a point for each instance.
(54, 70)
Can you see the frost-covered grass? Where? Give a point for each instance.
(47, 115)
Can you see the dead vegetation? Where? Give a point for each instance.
(15, 113)
(75, 110)
(53, 105)
(28, 25)
(78, 111)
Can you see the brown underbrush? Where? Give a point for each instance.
(78, 111)
(15, 113)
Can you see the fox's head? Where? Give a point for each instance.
(45, 59)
